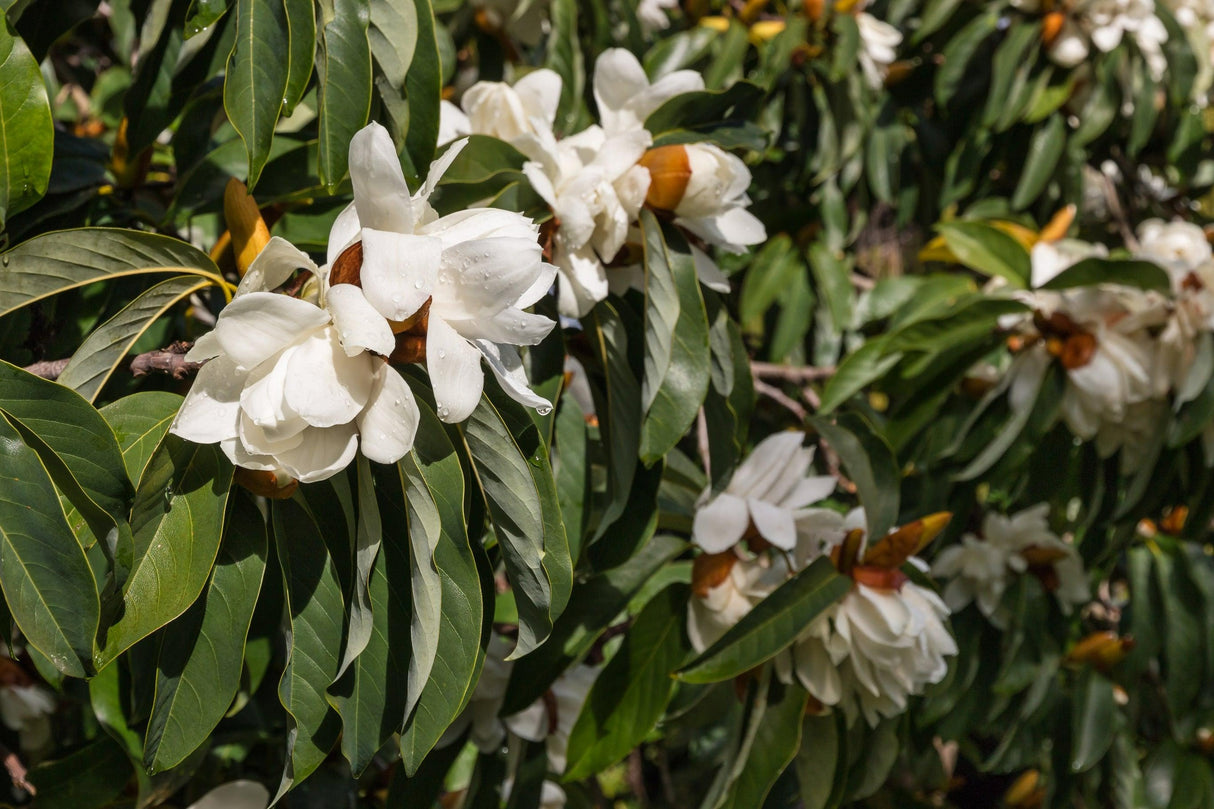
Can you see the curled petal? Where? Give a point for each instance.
(211, 408)
(388, 423)
(322, 454)
(257, 326)
(274, 265)
(720, 524)
(359, 327)
(323, 385)
(507, 366)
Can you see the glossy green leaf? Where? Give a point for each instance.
(203, 13)
(821, 762)
(859, 369)
(393, 37)
(343, 73)
(1091, 271)
(595, 603)
(177, 521)
(513, 471)
(771, 626)
(1092, 720)
(90, 777)
(425, 526)
(108, 345)
(44, 574)
(773, 748)
(1045, 150)
(871, 465)
(56, 262)
(458, 653)
(198, 668)
(618, 397)
(316, 612)
(630, 694)
(423, 89)
(988, 250)
(301, 28)
(26, 132)
(255, 85)
(676, 340)
(705, 110)
(961, 48)
(139, 422)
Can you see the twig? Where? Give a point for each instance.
(169, 360)
(1114, 203)
(16, 770)
(779, 397)
(48, 369)
(791, 373)
(636, 777)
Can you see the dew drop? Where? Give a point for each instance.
(442, 354)
(5, 261)
(396, 402)
(417, 284)
(444, 411)
(396, 298)
(543, 411)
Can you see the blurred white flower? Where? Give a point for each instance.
(651, 14)
(1178, 247)
(478, 269)
(518, 114)
(879, 43)
(1104, 23)
(727, 587)
(766, 495)
(234, 795)
(27, 709)
(290, 384)
(981, 568)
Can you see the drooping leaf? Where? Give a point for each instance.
(618, 398)
(26, 130)
(773, 748)
(871, 465)
(988, 250)
(771, 626)
(1091, 271)
(198, 668)
(301, 29)
(139, 422)
(343, 74)
(255, 84)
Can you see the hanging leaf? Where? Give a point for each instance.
(343, 75)
(26, 131)
(255, 85)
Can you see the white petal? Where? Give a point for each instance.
(481, 277)
(540, 92)
(583, 281)
(731, 230)
(273, 266)
(480, 223)
(767, 463)
(322, 454)
(234, 795)
(323, 385)
(666, 88)
(809, 490)
(287, 434)
(775, 524)
(452, 122)
(454, 366)
(511, 326)
(709, 273)
(398, 271)
(359, 327)
(618, 79)
(720, 523)
(388, 423)
(345, 230)
(543, 282)
(439, 167)
(380, 193)
(210, 410)
(255, 327)
(507, 366)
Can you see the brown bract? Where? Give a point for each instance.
(903, 543)
(1101, 650)
(669, 172)
(410, 332)
(1065, 339)
(249, 231)
(265, 483)
(709, 570)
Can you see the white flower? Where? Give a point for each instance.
(713, 204)
(27, 709)
(234, 795)
(517, 114)
(980, 569)
(290, 384)
(1104, 23)
(879, 43)
(651, 14)
(595, 188)
(479, 269)
(718, 605)
(768, 492)
(624, 94)
(1178, 247)
(452, 123)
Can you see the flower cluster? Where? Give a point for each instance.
(1124, 350)
(597, 180)
(298, 366)
(1072, 31)
(980, 568)
(884, 641)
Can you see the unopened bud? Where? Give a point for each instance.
(1101, 650)
(764, 30)
(1059, 224)
(1051, 25)
(1026, 792)
(249, 232)
(669, 173)
(1173, 522)
(129, 170)
(898, 72)
(845, 554)
(715, 23)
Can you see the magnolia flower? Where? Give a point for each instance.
(980, 568)
(518, 114)
(1104, 23)
(595, 188)
(651, 14)
(624, 95)
(476, 271)
(27, 709)
(726, 588)
(766, 495)
(234, 795)
(1178, 247)
(879, 43)
(290, 384)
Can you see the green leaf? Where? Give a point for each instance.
(83, 456)
(368, 697)
(1091, 271)
(565, 59)
(255, 84)
(771, 626)
(821, 763)
(773, 748)
(618, 399)
(832, 275)
(629, 696)
(1045, 150)
(871, 465)
(139, 422)
(705, 110)
(988, 250)
(1046, 397)
(1183, 638)
(301, 28)
(425, 525)
(343, 72)
(108, 345)
(862, 367)
(203, 13)
(44, 574)
(595, 604)
(393, 38)
(93, 776)
(1092, 720)
(56, 262)
(423, 89)
(316, 612)
(956, 55)
(513, 471)
(198, 668)
(177, 521)
(458, 652)
(676, 340)
(26, 130)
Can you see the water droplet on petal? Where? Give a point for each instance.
(442, 354)
(396, 402)
(417, 284)
(543, 411)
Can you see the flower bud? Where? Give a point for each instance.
(1173, 522)
(669, 173)
(1058, 225)
(1101, 650)
(1026, 792)
(249, 232)
(764, 30)
(1051, 25)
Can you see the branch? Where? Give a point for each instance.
(778, 396)
(170, 360)
(48, 369)
(16, 770)
(790, 373)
